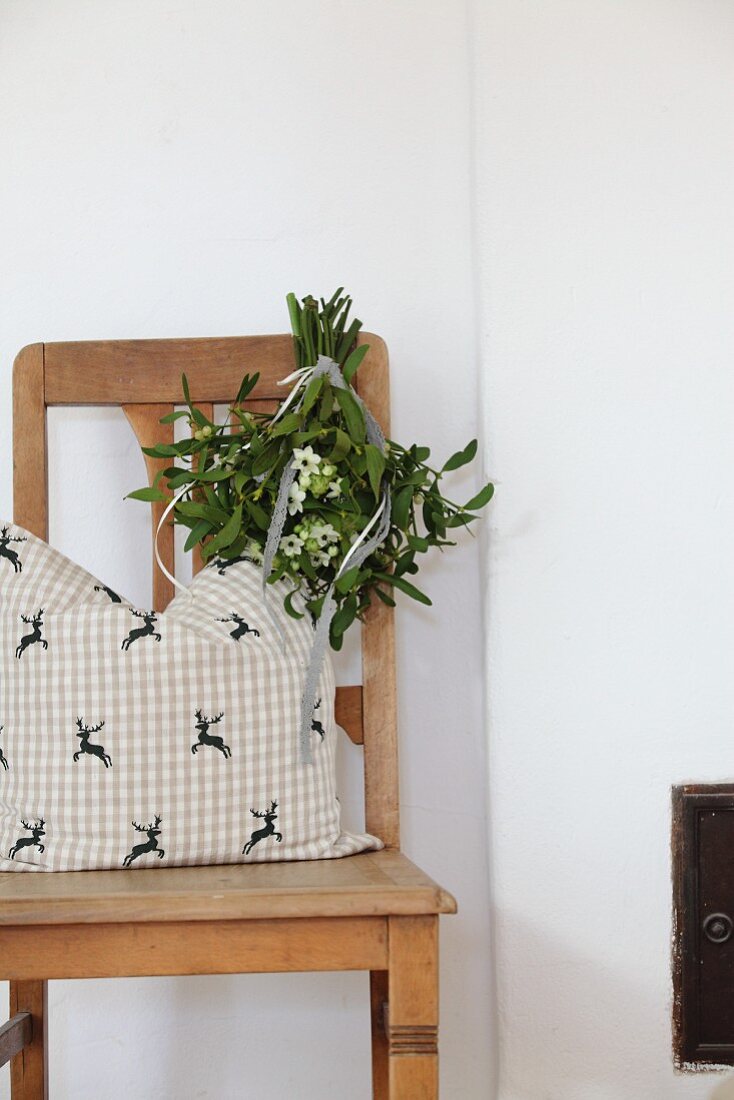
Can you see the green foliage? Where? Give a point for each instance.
(232, 478)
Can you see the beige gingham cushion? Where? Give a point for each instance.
(110, 716)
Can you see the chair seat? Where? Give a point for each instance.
(382, 883)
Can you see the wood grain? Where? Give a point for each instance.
(117, 372)
(29, 1068)
(368, 884)
(348, 712)
(206, 947)
(14, 1035)
(412, 1021)
(380, 1049)
(379, 688)
(30, 453)
(145, 422)
(197, 562)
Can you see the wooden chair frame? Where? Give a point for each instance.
(375, 911)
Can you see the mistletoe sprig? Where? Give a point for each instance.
(229, 475)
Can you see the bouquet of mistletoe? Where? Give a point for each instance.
(313, 493)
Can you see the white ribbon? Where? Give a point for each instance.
(164, 516)
(359, 551)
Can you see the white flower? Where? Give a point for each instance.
(324, 533)
(320, 558)
(296, 497)
(335, 490)
(254, 552)
(291, 546)
(306, 460)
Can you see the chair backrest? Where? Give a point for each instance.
(143, 377)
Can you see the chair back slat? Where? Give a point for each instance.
(145, 421)
(118, 372)
(144, 378)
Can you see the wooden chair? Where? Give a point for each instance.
(375, 911)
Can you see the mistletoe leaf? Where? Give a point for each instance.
(288, 605)
(228, 533)
(311, 396)
(482, 498)
(375, 467)
(290, 423)
(353, 415)
(260, 516)
(266, 460)
(406, 587)
(247, 385)
(401, 503)
(384, 596)
(199, 531)
(149, 493)
(341, 447)
(461, 458)
(354, 362)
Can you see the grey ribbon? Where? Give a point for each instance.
(328, 367)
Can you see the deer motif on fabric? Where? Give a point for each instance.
(6, 552)
(220, 564)
(3, 761)
(205, 738)
(36, 621)
(269, 816)
(37, 830)
(241, 627)
(112, 595)
(151, 844)
(148, 630)
(84, 732)
(316, 726)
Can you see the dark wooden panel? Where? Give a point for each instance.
(703, 949)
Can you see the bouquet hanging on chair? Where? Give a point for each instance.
(313, 493)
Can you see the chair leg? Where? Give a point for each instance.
(29, 1068)
(412, 1014)
(378, 1003)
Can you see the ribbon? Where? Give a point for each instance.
(358, 552)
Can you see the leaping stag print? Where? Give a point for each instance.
(268, 829)
(36, 621)
(26, 841)
(151, 844)
(206, 738)
(3, 760)
(6, 552)
(316, 726)
(220, 564)
(83, 734)
(148, 630)
(112, 595)
(241, 627)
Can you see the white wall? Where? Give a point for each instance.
(606, 229)
(174, 169)
(556, 178)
